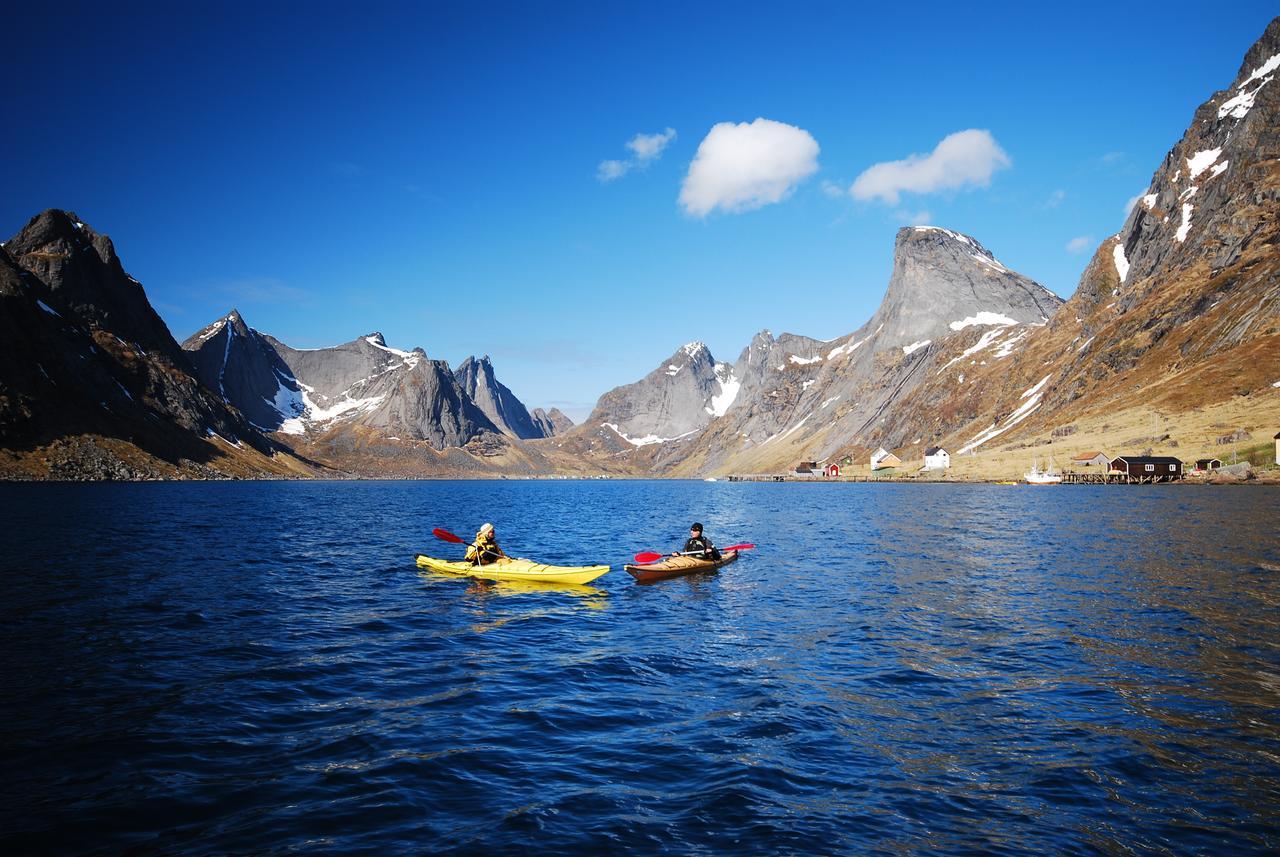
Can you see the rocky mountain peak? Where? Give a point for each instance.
(1200, 202)
(77, 269)
(552, 423)
(495, 400)
(944, 281)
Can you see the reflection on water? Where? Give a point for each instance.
(896, 669)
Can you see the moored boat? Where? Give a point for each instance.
(1049, 475)
(675, 566)
(516, 569)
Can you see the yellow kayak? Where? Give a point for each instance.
(517, 569)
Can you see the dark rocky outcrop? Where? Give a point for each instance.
(242, 366)
(551, 423)
(497, 402)
(83, 355)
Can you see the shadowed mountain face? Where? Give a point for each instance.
(497, 402)
(88, 366)
(244, 368)
(551, 423)
(359, 385)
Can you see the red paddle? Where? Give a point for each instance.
(648, 557)
(445, 535)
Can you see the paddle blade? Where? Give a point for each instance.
(445, 535)
(737, 548)
(644, 558)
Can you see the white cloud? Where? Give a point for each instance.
(1079, 245)
(610, 170)
(832, 189)
(645, 148)
(1055, 199)
(1133, 200)
(747, 166)
(965, 158)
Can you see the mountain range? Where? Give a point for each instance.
(1171, 337)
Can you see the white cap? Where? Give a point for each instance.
(486, 528)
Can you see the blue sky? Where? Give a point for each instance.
(433, 171)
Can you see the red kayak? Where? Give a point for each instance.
(675, 566)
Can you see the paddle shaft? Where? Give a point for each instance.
(643, 558)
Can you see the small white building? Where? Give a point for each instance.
(883, 458)
(936, 458)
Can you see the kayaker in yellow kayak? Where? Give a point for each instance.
(698, 545)
(485, 548)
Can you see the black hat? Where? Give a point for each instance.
(697, 527)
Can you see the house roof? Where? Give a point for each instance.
(1087, 456)
(1148, 459)
(934, 450)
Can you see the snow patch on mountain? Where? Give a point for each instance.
(1026, 409)
(729, 387)
(1122, 264)
(1201, 161)
(1185, 227)
(982, 318)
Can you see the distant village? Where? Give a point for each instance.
(1086, 467)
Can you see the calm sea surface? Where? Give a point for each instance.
(939, 669)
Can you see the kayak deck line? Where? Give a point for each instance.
(516, 569)
(677, 566)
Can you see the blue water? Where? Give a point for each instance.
(236, 668)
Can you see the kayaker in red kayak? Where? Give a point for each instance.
(698, 545)
(485, 548)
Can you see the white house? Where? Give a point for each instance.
(936, 458)
(883, 458)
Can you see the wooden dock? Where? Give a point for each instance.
(1107, 477)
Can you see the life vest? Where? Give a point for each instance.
(487, 552)
(704, 546)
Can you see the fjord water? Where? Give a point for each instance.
(937, 669)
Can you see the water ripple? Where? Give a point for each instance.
(230, 668)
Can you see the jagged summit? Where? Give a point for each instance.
(942, 279)
(1201, 202)
(495, 400)
(552, 423)
(78, 270)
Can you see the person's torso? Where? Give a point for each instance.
(697, 544)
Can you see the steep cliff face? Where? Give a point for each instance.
(1177, 313)
(92, 386)
(78, 269)
(239, 364)
(674, 401)
(495, 400)
(363, 384)
(944, 281)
